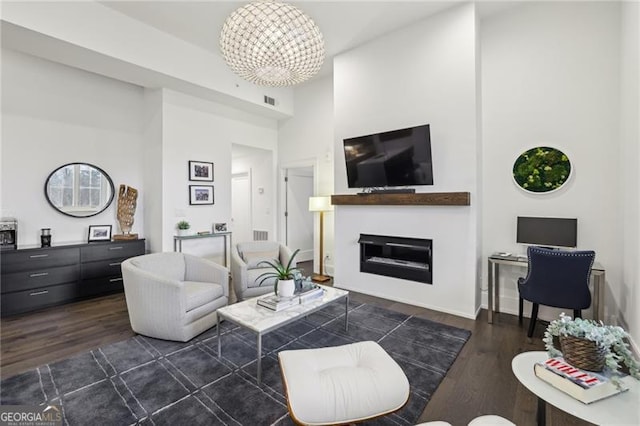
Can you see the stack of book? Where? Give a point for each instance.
(585, 386)
(277, 303)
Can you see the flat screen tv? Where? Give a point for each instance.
(547, 231)
(394, 158)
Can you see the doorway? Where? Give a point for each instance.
(298, 220)
(241, 206)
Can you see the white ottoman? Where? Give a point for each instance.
(342, 384)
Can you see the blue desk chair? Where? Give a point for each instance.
(556, 278)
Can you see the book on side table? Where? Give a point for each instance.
(585, 386)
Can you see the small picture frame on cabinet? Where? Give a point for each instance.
(99, 233)
(219, 228)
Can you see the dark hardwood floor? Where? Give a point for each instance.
(479, 382)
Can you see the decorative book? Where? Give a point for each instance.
(585, 386)
(277, 303)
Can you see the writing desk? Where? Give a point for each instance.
(493, 298)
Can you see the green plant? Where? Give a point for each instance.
(612, 339)
(542, 169)
(183, 224)
(280, 272)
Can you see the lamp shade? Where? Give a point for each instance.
(320, 204)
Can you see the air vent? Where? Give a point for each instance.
(269, 100)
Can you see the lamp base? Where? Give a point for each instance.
(320, 278)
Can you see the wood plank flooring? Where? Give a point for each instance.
(479, 382)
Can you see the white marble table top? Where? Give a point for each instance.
(260, 319)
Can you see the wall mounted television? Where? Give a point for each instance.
(547, 231)
(394, 158)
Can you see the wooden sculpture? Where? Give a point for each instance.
(127, 202)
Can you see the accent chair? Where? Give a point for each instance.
(245, 268)
(173, 296)
(556, 278)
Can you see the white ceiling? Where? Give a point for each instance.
(344, 24)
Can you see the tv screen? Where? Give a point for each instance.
(395, 158)
(547, 231)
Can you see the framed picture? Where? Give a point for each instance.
(200, 194)
(542, 169)
(99, 233)
(219, 227)
(199, 170)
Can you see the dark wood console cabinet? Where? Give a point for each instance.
(35, 278)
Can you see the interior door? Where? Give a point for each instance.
(241, 207)
(299, 220)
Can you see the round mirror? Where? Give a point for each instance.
(79, 190)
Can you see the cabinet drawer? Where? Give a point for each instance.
(18, 281)
(38, 259)
(98, 286)
(102, 268)
(22, 301)
(111, 251)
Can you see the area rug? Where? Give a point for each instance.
(155, 382)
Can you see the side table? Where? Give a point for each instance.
(620, 409)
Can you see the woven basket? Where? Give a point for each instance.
(582, 353)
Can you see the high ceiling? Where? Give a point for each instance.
(344, 24)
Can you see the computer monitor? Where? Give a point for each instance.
(547, 231)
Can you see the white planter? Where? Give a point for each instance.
(286, 288)
(183, 232)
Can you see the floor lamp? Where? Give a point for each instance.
(320, 204)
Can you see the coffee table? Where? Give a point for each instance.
(260, 320)
(620, 409)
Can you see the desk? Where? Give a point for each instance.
(493, 296)
(177, 243)
(621, 409)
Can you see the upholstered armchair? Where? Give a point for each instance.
(245, 270)
(173, 296)
(556, 278)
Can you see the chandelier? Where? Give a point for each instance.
(272, 44)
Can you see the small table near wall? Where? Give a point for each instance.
(178, 239)
(621, 409)
(493, 296)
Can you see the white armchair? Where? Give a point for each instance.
(173, 296)
(245, 271)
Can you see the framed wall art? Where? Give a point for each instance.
(200, 171)
(200, 194)
(542, 169)
(99, 233)
(219, 227)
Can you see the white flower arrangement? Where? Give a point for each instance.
(612, 339)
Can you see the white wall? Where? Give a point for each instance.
(52, 115)
(550, 75)
(629, 290)
(194, 129)
(425, 73)
(307, 140)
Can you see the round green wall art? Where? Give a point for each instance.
(541, 169)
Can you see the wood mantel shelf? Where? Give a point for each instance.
(419, 199)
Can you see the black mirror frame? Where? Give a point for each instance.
(113, 190)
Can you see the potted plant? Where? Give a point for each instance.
(183, 227)
(284, 275)
(609, 343)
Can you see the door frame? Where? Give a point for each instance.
(248, 175)
(282, 194)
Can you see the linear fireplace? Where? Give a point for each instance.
(399, 257)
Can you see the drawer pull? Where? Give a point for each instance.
(115, 264)
(116, 248)
(38, 293)
(34, 256)
(40, 274)
(115, 280)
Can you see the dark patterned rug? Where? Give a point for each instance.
(156, 382)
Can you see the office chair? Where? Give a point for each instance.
(556, 278)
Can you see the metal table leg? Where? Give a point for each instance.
(219, 343)
(346, 313)
(259, 373)
(541, 413)
(490, 293)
